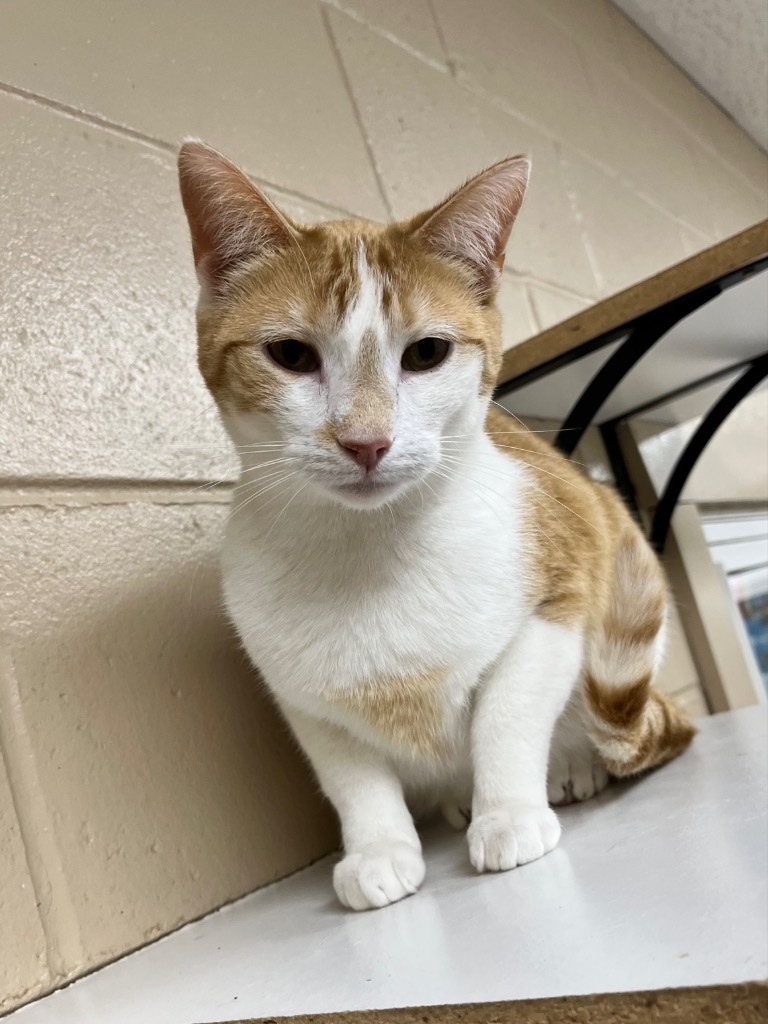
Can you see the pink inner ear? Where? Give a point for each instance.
(230, 220)
(473, 225)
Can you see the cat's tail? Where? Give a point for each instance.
(633, 725)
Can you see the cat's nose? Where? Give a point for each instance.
(367, 454)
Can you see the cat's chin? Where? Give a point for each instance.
(366, 495)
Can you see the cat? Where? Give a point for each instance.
(429, 590)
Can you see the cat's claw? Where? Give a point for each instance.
(378, 874)
(511, 835)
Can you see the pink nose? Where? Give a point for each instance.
(367, 454)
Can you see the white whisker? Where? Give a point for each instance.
(263, 490)
(256, 446)
(283, 510)
(451, 477)
(567, 507)
(251, 486)
(272, 462)
(543, 491)
(530, 451)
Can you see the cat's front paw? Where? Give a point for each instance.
(511, 835)
(378, 874)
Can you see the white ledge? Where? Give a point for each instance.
(658, 883)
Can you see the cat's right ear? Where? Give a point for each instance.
(231, 221)
(472, 226)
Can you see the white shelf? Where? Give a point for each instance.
(660, 883)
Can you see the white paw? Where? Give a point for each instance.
(379, 874)
(511, 835)
(575, 773)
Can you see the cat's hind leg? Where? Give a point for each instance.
(576, 770)
(456, 812)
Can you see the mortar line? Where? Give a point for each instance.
(470, 85)
(466, 83)
(83, 115)
(355, 109)
(124, 483)
(573, 202)
(539, 282)
(170, 148)
(56, 911)
(83, 493)
(531, 306)
(449, 61)
(390, 37)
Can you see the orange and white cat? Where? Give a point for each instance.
(430, 592)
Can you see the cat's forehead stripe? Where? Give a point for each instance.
(364, 314)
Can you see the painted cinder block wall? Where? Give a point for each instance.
(144, 778)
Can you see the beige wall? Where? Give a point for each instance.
(144, 779)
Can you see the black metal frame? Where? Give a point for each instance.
(704, 433)
(640, 336)
(645, 332)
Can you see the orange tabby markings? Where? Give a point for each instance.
(407, 710)
(595, 570)
(370, 414)
(641, 727)
(327, 435)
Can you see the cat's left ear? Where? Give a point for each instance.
(231, 221)
(473, 225)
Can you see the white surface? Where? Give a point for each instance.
(724, 529)
(746, 554)
(727, 330)
(657, 883)
(722, 44)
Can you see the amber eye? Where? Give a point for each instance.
(294, 356)
(425, 354)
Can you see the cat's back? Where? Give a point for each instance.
(573, 524)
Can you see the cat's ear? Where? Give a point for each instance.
(231, 221)
(474, 223)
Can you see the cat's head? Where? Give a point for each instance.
(356, 349)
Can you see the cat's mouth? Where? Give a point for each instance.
(367, 492)
(370, 490)
(367, 487)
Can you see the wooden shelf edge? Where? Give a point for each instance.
(609, 314)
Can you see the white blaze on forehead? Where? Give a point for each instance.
(365, 314)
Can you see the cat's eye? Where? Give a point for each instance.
(294, 355)
(425, 354)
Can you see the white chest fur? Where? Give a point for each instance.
(355, 616)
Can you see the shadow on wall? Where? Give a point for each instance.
(159, 765)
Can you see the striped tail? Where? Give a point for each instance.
(633, 725)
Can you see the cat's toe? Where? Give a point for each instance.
(559, 791)
(379, 874)
(510, 836)
(575, 774)
(588, 778)
(455, 814)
